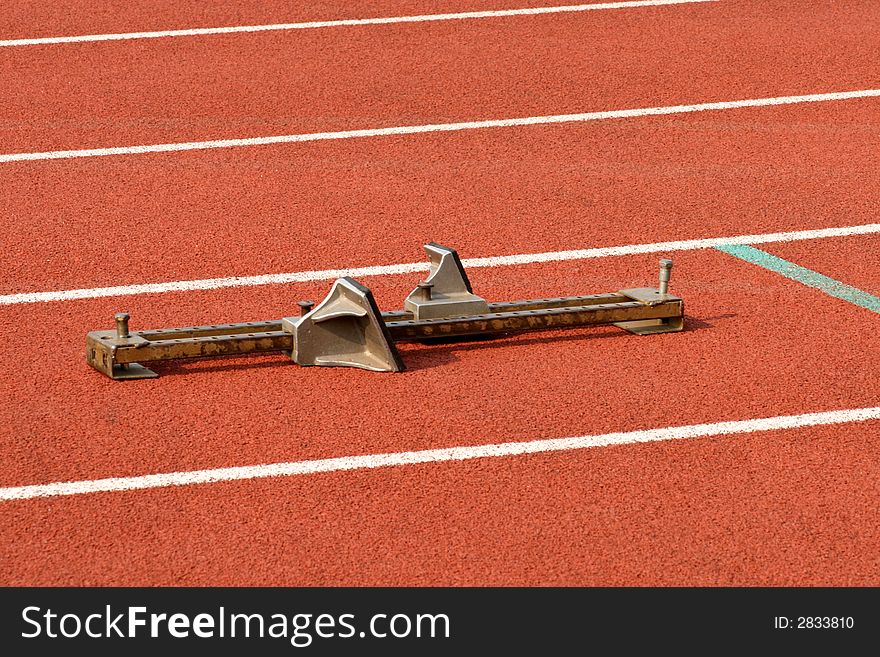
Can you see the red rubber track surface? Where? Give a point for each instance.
(781, 507)
(22, 19)
(242, 85)
(323, 205)
(67, 422)
(784, 508)
(772, 508)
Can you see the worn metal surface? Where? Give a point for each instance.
(533, 320)
(347, 329)
(210, 329)
(212, 345)
(557, 302)
(120, 358)
(652, 297)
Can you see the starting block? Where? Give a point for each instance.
(347, 329)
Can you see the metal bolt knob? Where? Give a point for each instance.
(305, 306)
(665, 270)
(425, 291)
(121, 325)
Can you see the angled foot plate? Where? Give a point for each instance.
(447, 291)
(344, 330)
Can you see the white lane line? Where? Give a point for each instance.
(440, 127)
(370, 461)
(347, 22)
(406, 268)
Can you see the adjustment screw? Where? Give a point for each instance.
(305, 306)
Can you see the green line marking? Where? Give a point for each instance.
(803, 275)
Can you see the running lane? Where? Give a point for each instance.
(164, 217)
(24, 19)
(793, 508)
(749, 352)
(241, 85)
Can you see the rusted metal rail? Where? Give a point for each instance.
(347, 329)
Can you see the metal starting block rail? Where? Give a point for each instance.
(347, 329)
